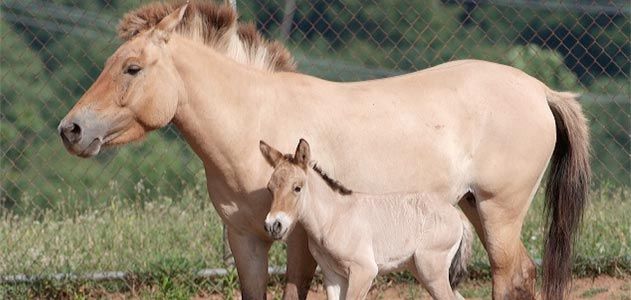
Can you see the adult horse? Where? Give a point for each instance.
(479, 132)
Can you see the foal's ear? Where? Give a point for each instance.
(303, 154)
(272, 156)
(166, 26)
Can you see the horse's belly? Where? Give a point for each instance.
(433, 164)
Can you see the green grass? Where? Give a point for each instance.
(604, 242)
(475, 290)
(155, 238)
(593, 292)
(163, 242)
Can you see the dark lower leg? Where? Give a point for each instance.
(250, 256)
(517, 280)
(512, 269)
(300, 265)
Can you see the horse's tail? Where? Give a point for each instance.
(458, 267)
(566, 191)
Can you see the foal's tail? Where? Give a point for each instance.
(458, 268)
(566, 191)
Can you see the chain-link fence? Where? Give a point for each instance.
(143, 209)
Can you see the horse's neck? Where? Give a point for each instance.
(219, 114)
(321, 210)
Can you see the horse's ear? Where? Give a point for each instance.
(303, 154)
(166, 26)
(272, 156)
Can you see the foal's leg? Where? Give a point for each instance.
(360, 279)
(512, 268)
(432, 270)
(300, 265)
(334, 284)
(250, 256)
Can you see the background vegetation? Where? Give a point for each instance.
(143, 208)
(52, 51)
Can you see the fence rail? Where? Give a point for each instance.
(116, 275)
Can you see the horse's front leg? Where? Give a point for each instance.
(250, 256)
(300, 265)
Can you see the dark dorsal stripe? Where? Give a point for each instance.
(332, 183)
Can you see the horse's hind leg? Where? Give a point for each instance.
(512, 268)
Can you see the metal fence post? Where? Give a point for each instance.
(228, 259)
(288, 17)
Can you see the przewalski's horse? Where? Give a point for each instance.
(480, 133)
(355, 236)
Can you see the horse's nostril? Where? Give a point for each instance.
(75, 129)
(277, 227)
(71, 133)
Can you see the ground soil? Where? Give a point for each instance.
(598, 288)
(602, 287)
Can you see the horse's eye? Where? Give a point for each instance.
(297, 189)
(133, 70)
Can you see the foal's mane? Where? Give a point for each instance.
(332, 183)
(215, 25)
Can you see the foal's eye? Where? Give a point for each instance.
(133, 70)
(297, 189)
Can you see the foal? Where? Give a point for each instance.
(354, 236)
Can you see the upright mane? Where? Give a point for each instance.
(332, 183)
(215, 25)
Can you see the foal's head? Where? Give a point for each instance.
(288, 186)
(137, 91)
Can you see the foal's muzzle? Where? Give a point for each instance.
(274, 229)
(277, 225)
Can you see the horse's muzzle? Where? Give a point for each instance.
(78, 139)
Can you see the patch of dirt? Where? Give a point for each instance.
(602, 287)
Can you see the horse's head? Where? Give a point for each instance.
(288, 186)
(137, 91)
